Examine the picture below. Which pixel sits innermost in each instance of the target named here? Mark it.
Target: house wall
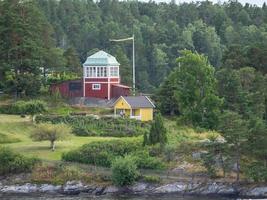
(121, 104)
(65, 90)
(102, 93)
(146, 114)
(119, 91)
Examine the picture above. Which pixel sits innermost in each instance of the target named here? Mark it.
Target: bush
(58, 174)
(151, 179)
(5, 139)
(15, 163)
(145, 161)
(102, 153)
(90, 126)
(257, 172)
(31, 107)
(124, 171)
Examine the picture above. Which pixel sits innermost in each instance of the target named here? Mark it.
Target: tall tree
(196, 90)
(23, 31)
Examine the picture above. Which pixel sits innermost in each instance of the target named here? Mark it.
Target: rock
(171, 188)
(98, 190)
(47, 188)
(73, 188)
(27, 188)
(139, 187)
(111, 189)
(255, 192)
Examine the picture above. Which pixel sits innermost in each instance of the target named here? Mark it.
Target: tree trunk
(53, 146)
(238, 166)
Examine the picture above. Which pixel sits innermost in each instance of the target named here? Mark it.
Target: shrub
(5, 139)
(158, 133)
(31, 107)
(124, 171)
(151, 179)
(145, 161)
(58, 174)
(14, 163)
(90, 126)
(257, 172)
(102, 153)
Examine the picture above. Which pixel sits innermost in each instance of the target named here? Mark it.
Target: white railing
(136, 117)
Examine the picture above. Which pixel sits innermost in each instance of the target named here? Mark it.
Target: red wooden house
(101, 79)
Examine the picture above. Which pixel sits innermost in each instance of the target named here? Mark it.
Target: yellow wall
(122, 104)
(146, 114)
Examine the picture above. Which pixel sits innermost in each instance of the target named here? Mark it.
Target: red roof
(120, 85)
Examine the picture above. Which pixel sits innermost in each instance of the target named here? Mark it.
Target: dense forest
(57, 36)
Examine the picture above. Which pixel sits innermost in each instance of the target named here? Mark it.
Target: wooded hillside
(58, 34)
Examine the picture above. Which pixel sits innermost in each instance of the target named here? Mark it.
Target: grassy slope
(20, 128)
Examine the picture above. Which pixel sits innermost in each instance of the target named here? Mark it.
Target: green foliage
(31, 107)
(158, 133)
(124, 171)
(102, 153)
(151, 179)
(14, 163)
(257, 172)
(209, 163)
(25, 36)
(51, 132)
(144, 161)
(90, 126)
(235, 131)
(58, 174)
(5, 139)
(194, 90)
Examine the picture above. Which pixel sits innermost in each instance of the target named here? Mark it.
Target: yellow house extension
(134, 107)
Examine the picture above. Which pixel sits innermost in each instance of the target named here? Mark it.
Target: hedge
(105, 126)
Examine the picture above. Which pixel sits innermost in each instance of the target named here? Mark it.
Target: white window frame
(96, 86)
(114, 71)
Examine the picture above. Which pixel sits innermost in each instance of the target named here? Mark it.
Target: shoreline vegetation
(56, 176)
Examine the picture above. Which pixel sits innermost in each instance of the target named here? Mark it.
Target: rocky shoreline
(184, 188)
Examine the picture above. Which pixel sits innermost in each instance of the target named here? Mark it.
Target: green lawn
(16, 127)
(19, 129)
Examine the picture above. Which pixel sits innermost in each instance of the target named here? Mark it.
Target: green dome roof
(101, 58)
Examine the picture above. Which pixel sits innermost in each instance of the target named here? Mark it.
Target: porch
(130, 113)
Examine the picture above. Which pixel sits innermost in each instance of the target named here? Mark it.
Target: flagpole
(133, 67)
(127, 39)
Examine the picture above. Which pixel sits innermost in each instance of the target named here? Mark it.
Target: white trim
(150, 101)
(96, 84)
(108, 89)
(100, 82)
(83, 87)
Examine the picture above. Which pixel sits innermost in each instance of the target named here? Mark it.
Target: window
(96, 72)
(75, 86)
(114, 71)
(96, 87)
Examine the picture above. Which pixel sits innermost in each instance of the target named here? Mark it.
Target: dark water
(125, 197)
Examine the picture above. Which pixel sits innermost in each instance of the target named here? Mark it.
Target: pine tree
(158, 133)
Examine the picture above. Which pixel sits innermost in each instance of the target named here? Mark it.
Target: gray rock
(171, 188)
(255, 192)
(111, 189)
(73, 187)
(139, 187)
(27, 188)
(48, 188)
(98, 190)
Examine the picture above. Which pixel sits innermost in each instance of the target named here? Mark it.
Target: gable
(121, 104)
